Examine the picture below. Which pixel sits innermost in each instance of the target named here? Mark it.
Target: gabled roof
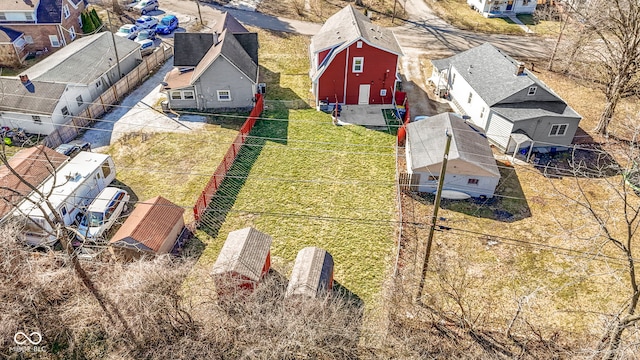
(49, 12)
(427, 139)
(534, 109)
(491, 73)
(244, 253)
(312, 272)
(232, 50)
(226, 21)
(349, 25)
(8, 35)
(149, 225)
(84, 60)
(14, 96)
(190, 48)
(35, 165)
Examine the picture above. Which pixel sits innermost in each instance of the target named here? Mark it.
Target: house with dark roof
(13, 49)
(35, 165)
(515, 108)
(245, 258)
(65, 83)
(47, 25)
(471, 167)
(216, 70)
(494, 8)
(312, 273)
(354, 62)
(152, 228)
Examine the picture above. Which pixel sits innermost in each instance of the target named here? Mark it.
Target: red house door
(363, 94)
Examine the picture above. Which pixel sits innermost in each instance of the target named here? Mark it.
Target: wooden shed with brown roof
(152, 228)
(312, 273)
(244, 259)
(35, 165)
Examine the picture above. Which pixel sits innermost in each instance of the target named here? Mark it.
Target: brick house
(46, 25)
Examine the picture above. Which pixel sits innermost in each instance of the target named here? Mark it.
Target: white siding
(499, 130)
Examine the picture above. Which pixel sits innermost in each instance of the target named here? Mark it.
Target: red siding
(379, 72)
(267, 265)
(321, 56)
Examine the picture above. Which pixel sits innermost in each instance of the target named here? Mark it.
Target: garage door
(499, 130)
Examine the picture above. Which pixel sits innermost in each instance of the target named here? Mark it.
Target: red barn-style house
(353, 62)
(244, 260)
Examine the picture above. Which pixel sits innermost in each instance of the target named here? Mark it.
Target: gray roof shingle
(427, 139)
(14, 96)
(190, 48)
(84, 60)
(244, 253)
(312, 272)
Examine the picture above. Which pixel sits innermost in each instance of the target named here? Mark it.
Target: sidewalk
(519, 23)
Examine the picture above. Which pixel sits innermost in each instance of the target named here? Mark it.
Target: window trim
(185, 92)
(72, 32)
(36, 119)
(222, 97)
(470, 97)
(65, 111)
(79, 100)
(558, 127)
(473, 181)
(66, 11)
(53, 39)
(355, 67)
(532, 90)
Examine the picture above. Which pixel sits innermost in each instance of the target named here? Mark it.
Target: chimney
(216, 39)
(520, 69)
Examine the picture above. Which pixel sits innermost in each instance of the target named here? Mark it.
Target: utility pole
(393, 17)
(115, 47)
(434, 217)
(199, 13)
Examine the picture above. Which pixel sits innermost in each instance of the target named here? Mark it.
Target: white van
(103, 213)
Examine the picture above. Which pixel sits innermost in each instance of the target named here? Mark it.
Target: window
(79, 100)
(558, 130)
(383, 92)
(473, 181)
(358, 64)
(65, 111)
(532, 90)
(106, 169)
(359, 44)
(98, 83)
(72, 33)
(482, 112)
(63, 210)
(188, 95)
(54, 41)
(80, 21)
(453, 78)
(65, 10)
(29, 16)
(525, 2)
(36, 119)
(3, 16)
(176, 95)
(433, 178)
(470, 97)
(224, 95)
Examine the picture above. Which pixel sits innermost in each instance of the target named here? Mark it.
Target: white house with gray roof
(513, 107)
(65, 83)
(471, 167)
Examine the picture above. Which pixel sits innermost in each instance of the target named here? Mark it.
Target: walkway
(524, 27)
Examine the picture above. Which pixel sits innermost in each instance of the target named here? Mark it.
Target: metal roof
(244, 253)
(427, 139)
(148, 226)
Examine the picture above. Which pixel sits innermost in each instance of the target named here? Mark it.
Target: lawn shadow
(586, 161)
(509, 204)
(350, 298)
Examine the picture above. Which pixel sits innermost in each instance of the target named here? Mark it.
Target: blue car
(167, 25)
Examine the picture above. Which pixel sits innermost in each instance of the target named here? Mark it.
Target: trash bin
(165, 106)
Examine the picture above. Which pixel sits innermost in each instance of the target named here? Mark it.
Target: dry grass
(321, 10)
(458, 13)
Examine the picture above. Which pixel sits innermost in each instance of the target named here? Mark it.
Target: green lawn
(312, 183)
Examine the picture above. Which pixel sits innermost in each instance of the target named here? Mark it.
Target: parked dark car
(72, 148)
(167, 24)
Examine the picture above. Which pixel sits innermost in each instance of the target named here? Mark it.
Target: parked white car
(128, 31)
(103, 213)
(146, 22)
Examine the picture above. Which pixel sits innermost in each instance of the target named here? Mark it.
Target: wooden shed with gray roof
(471, 167)
(353, 61)
(515, 108)
(152, 228)
(312, 273)
(244, 260)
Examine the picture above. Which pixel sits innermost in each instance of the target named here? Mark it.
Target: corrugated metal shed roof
(312, 272)
(35, 165)
(148, 226)
(427, 139)
(244, 253)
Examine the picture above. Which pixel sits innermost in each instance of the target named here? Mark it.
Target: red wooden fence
(216, 179)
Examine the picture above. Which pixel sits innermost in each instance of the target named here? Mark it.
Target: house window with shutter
(558, 130)
(358, 65)
(224, 95)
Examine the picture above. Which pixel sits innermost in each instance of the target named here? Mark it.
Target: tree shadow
(509, 204)
(586, 161)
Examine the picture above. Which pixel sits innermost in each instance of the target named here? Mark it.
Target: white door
(363, 95)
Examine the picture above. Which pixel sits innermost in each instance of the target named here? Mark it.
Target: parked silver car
(145, 6)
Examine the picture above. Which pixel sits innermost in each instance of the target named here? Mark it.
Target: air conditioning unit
(262, 88)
